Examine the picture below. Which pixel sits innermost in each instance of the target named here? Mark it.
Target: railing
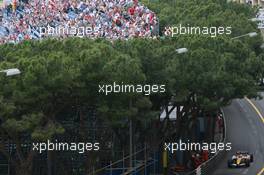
(142, 160)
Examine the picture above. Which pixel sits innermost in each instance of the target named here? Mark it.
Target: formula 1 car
(240, 159)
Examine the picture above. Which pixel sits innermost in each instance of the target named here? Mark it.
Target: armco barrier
(209, 166)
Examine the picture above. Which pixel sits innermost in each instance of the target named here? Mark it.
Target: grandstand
(112, 20)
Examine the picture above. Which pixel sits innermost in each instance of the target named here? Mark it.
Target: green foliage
(216, 70)
(62, 74)
(204, 13)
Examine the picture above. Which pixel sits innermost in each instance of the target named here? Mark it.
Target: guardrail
(208, 167)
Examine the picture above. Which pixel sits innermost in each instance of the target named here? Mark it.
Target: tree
(64, 75)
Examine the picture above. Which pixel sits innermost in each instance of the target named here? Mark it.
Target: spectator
(111, 19)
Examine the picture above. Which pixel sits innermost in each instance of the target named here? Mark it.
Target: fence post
(145, 159)
(123, 171)
(111, 171)
(154, 162)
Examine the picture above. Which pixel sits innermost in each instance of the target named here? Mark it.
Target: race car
(240, 159)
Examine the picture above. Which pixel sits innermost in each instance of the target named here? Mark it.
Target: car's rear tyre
(229, 163)
(247, 163)
(251, 158)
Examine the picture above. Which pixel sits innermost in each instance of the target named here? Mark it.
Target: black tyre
(229, 163)
(247, 163)
(251, 158)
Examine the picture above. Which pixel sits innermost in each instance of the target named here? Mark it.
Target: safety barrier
(208, 167)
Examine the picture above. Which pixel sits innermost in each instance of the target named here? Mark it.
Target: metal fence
(144, 162)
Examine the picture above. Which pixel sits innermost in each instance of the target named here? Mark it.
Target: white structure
(172, 115)
(11, 72)
(260, 19)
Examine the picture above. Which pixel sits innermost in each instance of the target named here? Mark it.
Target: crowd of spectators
(111, 19)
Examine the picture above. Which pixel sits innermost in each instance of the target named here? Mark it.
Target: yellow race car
(240, 159)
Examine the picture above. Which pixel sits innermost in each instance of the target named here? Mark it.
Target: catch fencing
(209, 166)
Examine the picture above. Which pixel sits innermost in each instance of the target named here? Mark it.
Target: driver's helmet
(239, 153)
(239, 156)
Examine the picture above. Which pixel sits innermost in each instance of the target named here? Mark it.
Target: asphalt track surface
(245, 130)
